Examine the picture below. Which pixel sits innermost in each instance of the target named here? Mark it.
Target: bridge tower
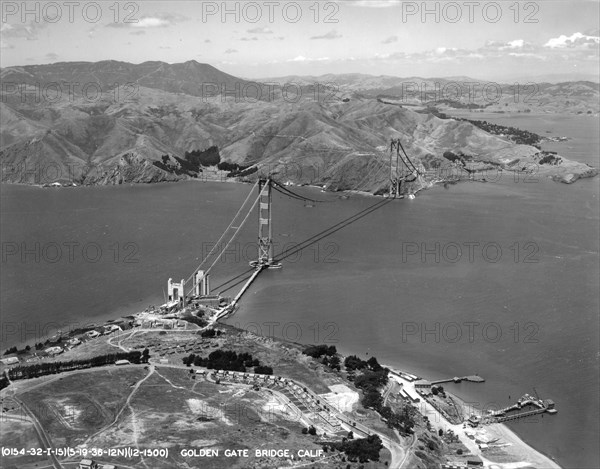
(201, 284)
(176, 291)
(394, 169)
(265, 226)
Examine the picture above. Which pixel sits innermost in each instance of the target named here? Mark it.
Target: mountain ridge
(340, 141)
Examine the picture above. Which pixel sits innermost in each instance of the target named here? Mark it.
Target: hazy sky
(491, 40)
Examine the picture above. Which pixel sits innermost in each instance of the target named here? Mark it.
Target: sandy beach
(514, 452)
(528, 455)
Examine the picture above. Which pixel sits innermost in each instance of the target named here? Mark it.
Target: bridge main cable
(238, 228)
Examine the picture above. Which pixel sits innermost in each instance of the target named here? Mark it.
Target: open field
(170, 408)
(73, 406)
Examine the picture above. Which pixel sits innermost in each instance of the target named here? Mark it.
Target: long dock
(503, 415)
(519, 415)
(456, 379)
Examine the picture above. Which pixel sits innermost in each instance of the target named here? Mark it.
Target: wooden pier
(471, 378)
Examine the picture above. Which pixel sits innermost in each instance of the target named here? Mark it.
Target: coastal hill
(150, 119)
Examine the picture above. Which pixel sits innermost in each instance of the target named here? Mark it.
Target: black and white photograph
(347, 234)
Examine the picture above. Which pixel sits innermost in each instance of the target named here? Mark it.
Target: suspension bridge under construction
(197, 289)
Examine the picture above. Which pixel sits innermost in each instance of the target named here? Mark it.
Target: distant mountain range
(113, 122)
(575, 97)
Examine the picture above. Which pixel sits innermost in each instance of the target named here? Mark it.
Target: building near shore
(54, 350)
(10, 361)
(422, 384)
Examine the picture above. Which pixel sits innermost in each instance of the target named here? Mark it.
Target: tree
(334, 363)
(305, 431)
(440, 432)
(317, 351)
(145, 355)
(350, 435)
(372, 399)
(312, 430)
(362, 449)
(352, 362)
(373, 364)
(263, 370)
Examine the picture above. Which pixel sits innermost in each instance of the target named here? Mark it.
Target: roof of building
(422, 382)
(10, 360)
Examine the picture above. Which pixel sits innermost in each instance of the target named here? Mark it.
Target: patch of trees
(237, 170)
(550, 158)
(310, 430)
(4, 382)
(192, 162)
(145, 356)
(370, 382)
(521, 137)
(209, 333)
(42, 369)
(317, 351)
(208, 157)
(178, 166)
(362, 449)
(332, 362)
(372, 378)
(402, 421)
(352, 363)
(433, 111)
(24, 350)
(263, 370)
(459, 157)
(327, 355)
(223, 360)
(372, 399)
(458, 105)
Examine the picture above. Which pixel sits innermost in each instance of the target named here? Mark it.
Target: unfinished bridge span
(197, 286)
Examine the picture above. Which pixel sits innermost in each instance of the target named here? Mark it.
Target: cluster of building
(153, 320)
(308, 403)
(61, 343)
(462, 465)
